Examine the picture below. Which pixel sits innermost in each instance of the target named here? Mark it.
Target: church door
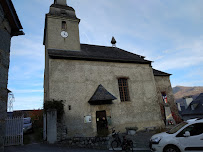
(102, 125)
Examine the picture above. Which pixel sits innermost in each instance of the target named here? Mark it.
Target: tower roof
(60, 2)
(60, 8)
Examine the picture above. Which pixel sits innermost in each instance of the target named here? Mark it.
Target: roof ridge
(97, 45)
(154, 70)
(140, 56)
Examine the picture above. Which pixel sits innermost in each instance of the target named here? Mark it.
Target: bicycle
(126, 144)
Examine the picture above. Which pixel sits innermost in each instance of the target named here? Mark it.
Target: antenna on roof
(11, 99)
(113, 42)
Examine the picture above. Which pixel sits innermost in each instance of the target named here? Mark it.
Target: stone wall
(88, 142)
(163, 84)
(61, 131)
(76, 81)
(5, 39)
(54, 33)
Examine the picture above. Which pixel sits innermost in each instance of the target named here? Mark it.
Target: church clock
(64, 34)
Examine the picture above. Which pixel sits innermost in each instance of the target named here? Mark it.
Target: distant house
(182, 106)
(35, 114)
(195, 109)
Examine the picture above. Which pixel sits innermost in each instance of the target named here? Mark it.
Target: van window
(194, 129)
(176, 128)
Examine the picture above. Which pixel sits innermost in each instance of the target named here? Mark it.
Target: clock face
(64, 34)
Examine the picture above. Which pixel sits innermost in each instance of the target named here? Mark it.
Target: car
(186, 136)
(27, 125)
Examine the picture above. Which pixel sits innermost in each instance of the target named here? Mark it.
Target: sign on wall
(87, 119)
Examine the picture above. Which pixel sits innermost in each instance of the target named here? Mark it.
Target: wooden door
(102, 124)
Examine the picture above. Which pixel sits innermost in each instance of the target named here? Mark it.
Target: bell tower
(61, 27)
(61, 33)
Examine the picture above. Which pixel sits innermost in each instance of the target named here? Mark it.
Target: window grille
(123, 89)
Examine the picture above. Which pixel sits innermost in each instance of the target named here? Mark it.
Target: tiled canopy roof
(99, 53)
(101, 96)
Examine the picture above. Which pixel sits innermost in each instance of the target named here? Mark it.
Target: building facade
(102, 87)
(9, 26)
(166, 99)
(194, 108)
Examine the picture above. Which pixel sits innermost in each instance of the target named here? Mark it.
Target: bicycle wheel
(131, 145)
(128, 146)
(114, 145)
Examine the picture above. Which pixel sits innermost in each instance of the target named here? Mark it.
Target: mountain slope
(181, 91)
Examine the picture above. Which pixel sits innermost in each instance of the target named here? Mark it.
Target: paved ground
(140, 140)
(53, 148)
(46, 148)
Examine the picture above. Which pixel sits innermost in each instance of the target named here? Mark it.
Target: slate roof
(62, 7)
(12, 17)
(69, 15)
(198, 110)
(98, 53)
(199, 99)
(160, 73)
(101, 95)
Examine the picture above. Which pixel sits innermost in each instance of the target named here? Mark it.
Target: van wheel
(171, 148)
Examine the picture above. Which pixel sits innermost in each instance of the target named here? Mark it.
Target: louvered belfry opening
(123, 89)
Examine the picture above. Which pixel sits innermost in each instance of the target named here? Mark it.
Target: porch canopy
(101, 96)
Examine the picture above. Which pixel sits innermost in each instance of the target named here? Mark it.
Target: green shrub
(58, 105)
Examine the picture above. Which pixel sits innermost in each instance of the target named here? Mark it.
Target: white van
(185, 137)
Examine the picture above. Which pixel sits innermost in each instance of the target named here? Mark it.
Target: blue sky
(166, 32)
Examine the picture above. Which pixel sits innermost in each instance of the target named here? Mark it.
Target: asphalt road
(53, 148)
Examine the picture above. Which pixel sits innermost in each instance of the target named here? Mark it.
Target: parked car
(27, 126)
(186, 136)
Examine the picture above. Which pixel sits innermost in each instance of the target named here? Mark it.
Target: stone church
(101, 86)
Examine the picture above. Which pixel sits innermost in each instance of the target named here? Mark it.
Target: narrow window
(164, 97)
(69, 107)
(123, 89)
(63, 25)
